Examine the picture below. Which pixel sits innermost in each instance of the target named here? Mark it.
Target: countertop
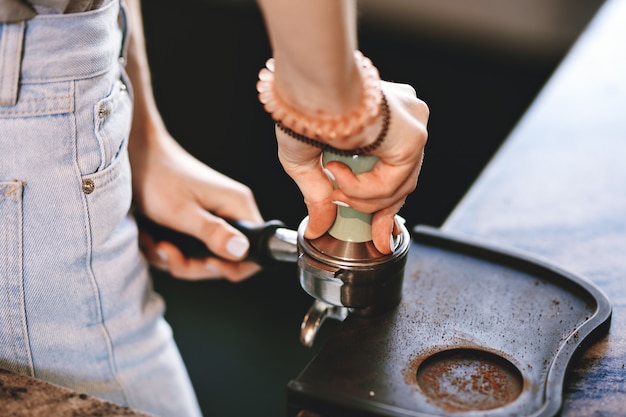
(557, 189)
(21, 396)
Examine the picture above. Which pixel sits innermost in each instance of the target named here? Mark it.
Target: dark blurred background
(478, 65)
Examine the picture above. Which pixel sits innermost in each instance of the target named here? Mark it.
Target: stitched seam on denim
(112, 362)
(10, 60)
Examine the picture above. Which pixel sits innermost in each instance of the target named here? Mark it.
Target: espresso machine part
(342, 270)
(270, 242)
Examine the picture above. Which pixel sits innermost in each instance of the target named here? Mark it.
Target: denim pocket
(109, 194)
(113, 117)
(14, 346)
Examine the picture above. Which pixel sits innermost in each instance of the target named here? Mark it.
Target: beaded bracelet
(324, 127)
(386, 115)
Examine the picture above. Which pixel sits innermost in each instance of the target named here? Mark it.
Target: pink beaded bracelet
(324, 127)
(365, 150)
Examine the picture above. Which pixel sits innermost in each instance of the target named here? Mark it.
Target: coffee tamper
(343, 270)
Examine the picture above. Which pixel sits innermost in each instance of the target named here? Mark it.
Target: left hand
(178, 191)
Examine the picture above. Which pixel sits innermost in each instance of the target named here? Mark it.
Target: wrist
(382, 124)
(333, 88)
(321, 122)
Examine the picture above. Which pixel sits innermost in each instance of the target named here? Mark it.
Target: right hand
(381, 191)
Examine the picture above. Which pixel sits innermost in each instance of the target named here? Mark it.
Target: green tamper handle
(352, 225)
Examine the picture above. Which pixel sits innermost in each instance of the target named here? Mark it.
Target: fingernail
(162, 255)
(341, 203)
(394, 241)
(237, 246)
(400, 219)
(329, 174)
(212, 269)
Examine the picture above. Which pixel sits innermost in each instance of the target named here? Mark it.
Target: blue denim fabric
(77, 306)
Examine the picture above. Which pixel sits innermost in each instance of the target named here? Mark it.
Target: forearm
(146, 117)
(313, 44)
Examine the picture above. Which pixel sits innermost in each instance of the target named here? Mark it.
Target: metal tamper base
(354, 275)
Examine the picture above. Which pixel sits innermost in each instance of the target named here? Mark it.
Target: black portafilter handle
(259, 236)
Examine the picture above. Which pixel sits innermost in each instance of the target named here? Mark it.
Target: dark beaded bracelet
(386, 114)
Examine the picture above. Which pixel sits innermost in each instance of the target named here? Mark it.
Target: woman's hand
(381, 191)
(176, 190)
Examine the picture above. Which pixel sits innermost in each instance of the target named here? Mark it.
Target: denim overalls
(76, 303)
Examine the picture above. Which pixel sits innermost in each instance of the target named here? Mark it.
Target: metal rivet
(88, 186)
(103, 111)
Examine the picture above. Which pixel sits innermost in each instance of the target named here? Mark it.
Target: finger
(385, 228)
(173, 260)
(221, 238)
(149, 249)
(234, 271)
(321, 218)
(373, 191)
(383, 179)
(317, 188)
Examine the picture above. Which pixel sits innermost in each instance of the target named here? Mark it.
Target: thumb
(321, 217)
(227, 242)
(222, 239)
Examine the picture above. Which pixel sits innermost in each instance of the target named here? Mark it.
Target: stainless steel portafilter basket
(343, 270)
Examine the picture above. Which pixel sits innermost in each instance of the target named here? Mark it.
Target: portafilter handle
(343, 269)
(270, 242)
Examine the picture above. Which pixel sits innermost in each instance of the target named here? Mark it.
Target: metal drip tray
(480, 331)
